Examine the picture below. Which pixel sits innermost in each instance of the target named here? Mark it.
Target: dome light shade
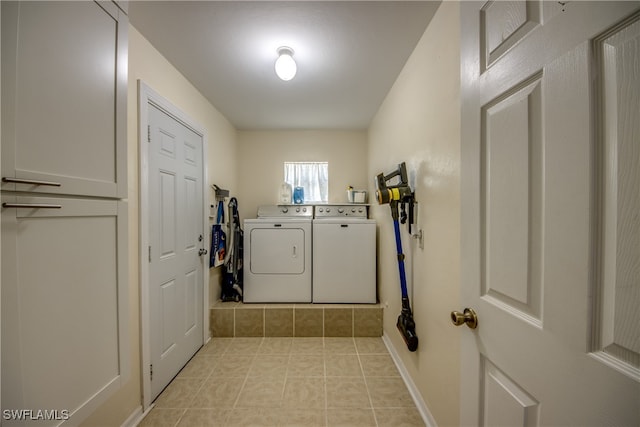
(285, 65)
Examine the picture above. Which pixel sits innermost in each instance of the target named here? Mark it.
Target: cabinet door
(64, 70)
(64, 316)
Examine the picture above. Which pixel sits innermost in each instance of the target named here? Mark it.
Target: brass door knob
(468, 316)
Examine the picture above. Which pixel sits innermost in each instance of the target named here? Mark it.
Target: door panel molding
(616, 244)
(512, 169)
(504, 402)
(503, 25)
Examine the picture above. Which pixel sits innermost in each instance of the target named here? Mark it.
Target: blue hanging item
(218, 239)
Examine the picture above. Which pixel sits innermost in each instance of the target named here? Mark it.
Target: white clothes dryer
(277, 255)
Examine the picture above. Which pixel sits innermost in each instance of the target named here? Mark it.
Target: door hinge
(151, 371)
(148, 133)
(149, 253)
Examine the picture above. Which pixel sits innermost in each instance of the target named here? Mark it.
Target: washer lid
(343, 220)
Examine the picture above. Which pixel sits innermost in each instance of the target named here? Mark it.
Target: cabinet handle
(31, 205)
(30, 181)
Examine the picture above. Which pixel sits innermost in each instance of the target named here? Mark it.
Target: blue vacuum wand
(395, 195)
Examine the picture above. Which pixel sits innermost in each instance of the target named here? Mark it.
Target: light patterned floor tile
(244, 346)
(307, 346)
(179, 393)
(344, 392)
(162, 417)
(272, 366)
(388, 392)
(204, 418)
(306, 365)
(275, 346)
(261, 393)
(216, 346)
(378, 365)
(256, 417)
(294, 417)
(200, 366)
(304, 393)
(218, 393)
(342, 365)
(232, 365)
(398, 417)
(339, 345)
(366, 345)
(350, 417)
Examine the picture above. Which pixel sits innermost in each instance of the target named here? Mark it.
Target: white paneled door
(551, 234)
(176, 245)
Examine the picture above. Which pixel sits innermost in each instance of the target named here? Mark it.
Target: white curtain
(312, 176)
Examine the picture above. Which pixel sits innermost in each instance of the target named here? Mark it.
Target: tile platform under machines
(235, 319)
(272, 319)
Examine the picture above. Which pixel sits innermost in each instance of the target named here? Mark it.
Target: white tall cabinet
(64, 333)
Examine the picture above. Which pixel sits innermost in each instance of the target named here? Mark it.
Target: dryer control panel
(285, 211)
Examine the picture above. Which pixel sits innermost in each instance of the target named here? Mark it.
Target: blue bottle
(298, 195)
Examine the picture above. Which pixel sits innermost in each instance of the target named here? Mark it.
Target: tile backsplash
(232, 319)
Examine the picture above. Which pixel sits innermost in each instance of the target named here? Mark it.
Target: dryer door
(277, 251)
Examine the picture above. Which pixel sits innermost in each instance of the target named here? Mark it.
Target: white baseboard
(134, 419)
(411, 386)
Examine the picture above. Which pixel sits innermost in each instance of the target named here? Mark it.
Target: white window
(312, 176)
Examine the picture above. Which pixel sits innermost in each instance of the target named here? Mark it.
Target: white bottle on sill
(284, 196)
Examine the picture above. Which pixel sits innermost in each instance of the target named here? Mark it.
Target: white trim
(135, 418)
(617, 364)
(147, 95)
(411, 386)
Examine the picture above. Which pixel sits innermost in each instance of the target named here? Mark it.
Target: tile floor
(302, 382)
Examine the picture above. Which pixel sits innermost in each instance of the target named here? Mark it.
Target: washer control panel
(327, 211)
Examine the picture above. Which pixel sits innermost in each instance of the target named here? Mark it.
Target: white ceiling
(349, 54)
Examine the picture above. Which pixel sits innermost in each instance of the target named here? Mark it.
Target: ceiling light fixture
(285, 65)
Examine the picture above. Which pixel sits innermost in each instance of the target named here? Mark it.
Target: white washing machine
(344, 255)
(277, 255)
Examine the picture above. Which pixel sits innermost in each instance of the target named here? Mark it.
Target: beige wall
(146, 64)
(262, 154)
(419, 123)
